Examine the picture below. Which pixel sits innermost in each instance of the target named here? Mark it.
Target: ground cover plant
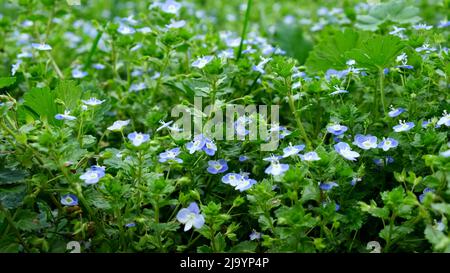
(92, 158)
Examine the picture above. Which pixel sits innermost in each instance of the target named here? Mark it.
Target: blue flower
(422, 26)
(338, 90)
(292, 150)
(118, 125)
(93, 175)
(191, 216)
(255, 235)
(276, 168)
(355, 180)
(243, 158)
(422, 196)
(365, 142)
(217, 166)
(344, 150)
(444, 120)
(77, 73)
(130, 225)
(388, 143)
(210, 147)
(335, 73)
(164, 125)
(41, 46)
(93, 101)
(65, 116)
(170, 6)
(445, 153)
(310, 156)
(170, 155)
(380, 162)
(326, 186)
(443, 23)
(403, 126)
(98, 66)
(138, 138)
(176, 24)
(238, 181)
(196, 144)
(395, 112)
(202, 61)
(125, 29)
(425, 123)
(337, 207)
(137, 87)
(337, 129)
(69, 200)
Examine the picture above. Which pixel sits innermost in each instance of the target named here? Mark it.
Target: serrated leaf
(12, 197)
(244, 247)
(7, 81)
(69, 93)
(39, 103)
(27, 220)
(11, 176)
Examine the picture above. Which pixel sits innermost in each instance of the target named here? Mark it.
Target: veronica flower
(276, 168)
(176, 24)
(226, 54)
(118, 125)
(41, 46)
(93, 175)
(426, 47)
(65, 116)
(232, 41)
(202, 61)
(337, 129)
(15, 67)
(380, 162)
(273, 158)
(397, 31)
(255, 235)
(445, 153)
(395, 111)
(217, 166)
(403, 126)
(292, 150)
(443, 23)
(125, 29)
(164, 125)
(138, 138)
(77, 73)
(424, 192)
(245, 184)
(422, 26)
(355, 180)
(170, 155)
(243, 158)
(210, 147)
(197, 144)
(344, 150)
(365, 142)
(335, 74)
(69, 200)
(248, 50)
(338, 91)
(310, 156)
(137, 86)
(191, 216)
(93, 101)
(144, 30)
(425, 123)
(98, 66)
(232, 179)
(170, 6)
(326, 186)
(444, 120)
(388, 143)
(130, 225)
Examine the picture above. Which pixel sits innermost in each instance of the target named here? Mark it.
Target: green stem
(244, 29)
(298, 119)
(381, 78)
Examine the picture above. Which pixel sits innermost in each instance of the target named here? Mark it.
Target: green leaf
(330, 51)
(39, 103)
(244, 247)
(396, 11)
(6, 81)
(11, 176)
(27, 220)
(69, 93)
(12, 197)
(293, 41)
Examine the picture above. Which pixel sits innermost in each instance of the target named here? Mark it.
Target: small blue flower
(245, 184)
(338, 90)
(422, 196)
(403, 126)
(422, 27)
(395, 112)
(202, 61)
(310, 156)
(344, 150)
(170, 155)
(355, 180)
(65, 116)
(381, 162)
(196, 144)
(77, 73)
(164, 125)
(170, 6)
(243, 158)
(276, 168)
(210, 147)
(41, 46)
(191, 216)
(98, 66)
(443, 23)
(326, 186)
(125, 29)
(93, 101)
(69, 200)
(292, 150)
(93, 175)
(118, 125)
(130, 225)
(337, 129)
(255, 235)
(217, 166)
(444, 120)
(388, 143)
(137, 87)
(335, 73)
(425, 123)
(176, 24)
(232, 179)
(445, 153)
(365, 142)
(138, 138)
